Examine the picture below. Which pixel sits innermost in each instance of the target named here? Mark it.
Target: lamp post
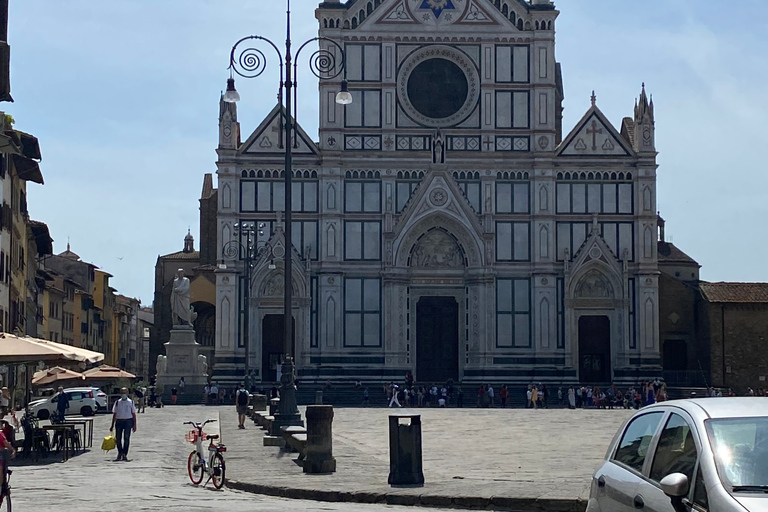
(325, 63)
(250, 252)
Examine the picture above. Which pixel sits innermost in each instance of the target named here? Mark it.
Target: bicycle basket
(191, 436)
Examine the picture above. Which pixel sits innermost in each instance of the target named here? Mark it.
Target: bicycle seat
(213, 436)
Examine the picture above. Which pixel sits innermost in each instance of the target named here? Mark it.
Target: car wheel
(43, 414)
(86, 411)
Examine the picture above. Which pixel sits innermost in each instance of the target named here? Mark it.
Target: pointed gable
(595, 271)
(439, 13)
(440, 197)
(268, 138)
(594, 136)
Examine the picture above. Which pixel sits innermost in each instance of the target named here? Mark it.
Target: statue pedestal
(182, 351)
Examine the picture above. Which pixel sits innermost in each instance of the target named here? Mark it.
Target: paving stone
(480, 458)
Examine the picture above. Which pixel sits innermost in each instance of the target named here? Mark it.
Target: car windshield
(740, 446)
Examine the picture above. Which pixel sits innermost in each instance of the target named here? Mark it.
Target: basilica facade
(443, 222)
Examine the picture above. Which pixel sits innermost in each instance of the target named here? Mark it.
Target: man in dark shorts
(241, 402)
(62, 403)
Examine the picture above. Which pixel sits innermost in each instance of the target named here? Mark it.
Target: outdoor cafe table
(87, 424)
(68, 432)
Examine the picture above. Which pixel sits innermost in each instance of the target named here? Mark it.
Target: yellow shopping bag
(109, 443)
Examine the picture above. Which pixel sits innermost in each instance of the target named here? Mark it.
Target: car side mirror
(676, 485)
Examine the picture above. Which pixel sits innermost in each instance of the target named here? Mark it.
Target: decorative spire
(593, 98)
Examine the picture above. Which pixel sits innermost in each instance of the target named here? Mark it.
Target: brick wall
(738, 335)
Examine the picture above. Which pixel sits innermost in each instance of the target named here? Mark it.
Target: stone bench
(260, 418)
(295, 439)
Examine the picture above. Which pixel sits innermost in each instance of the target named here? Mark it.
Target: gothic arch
(596, 269)
(437, 248)
(271, 285)
(471, 247)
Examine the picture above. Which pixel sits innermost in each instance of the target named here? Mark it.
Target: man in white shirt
(124, 418)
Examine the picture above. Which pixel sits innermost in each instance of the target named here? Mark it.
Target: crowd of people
(537, 395)
(410, 395)
(612, 397)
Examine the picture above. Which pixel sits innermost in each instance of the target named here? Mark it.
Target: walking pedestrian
(62, 403)
(174, 396)
(490, 394)
(182, 385)
(459, 397)
(124, 419)
(394, 399)
(139, 399)
(366, 397)
(241, 399)
(571, 398)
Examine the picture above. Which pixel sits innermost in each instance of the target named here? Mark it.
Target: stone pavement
(519, 459)
(154, 479)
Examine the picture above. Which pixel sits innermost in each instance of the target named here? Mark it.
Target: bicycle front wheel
(195, 467)
(219, 468)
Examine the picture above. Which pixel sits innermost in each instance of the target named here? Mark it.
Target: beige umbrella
(55, 374)
(105, 372)
(73, 353)
(15, 349)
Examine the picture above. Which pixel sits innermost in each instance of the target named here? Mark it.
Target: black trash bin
(405, 465)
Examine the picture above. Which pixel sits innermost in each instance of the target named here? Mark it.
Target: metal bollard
(405, 464)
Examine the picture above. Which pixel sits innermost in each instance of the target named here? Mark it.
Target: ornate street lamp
(250, 62)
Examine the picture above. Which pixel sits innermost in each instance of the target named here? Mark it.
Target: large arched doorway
(437, 339)
(205, 330)
(595, 349)
(597, 322)
(437, 264)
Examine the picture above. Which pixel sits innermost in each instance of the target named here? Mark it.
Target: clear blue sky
(124, 98)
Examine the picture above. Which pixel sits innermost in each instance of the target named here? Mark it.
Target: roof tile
(735, 292)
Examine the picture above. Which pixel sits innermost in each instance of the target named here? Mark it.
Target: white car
(99, 395)
(707, 454)
(80, 403)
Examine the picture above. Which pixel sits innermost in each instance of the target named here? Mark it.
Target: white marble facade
(443, 225)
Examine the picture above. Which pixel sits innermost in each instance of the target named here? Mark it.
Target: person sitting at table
(5, 444)
(9, 432)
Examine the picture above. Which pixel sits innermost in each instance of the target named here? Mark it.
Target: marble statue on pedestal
(182, 314)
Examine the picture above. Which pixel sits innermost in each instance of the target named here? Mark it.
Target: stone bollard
(259, 402)
(405, 465)
(318, 454)
(318, 398)
(273, 406)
